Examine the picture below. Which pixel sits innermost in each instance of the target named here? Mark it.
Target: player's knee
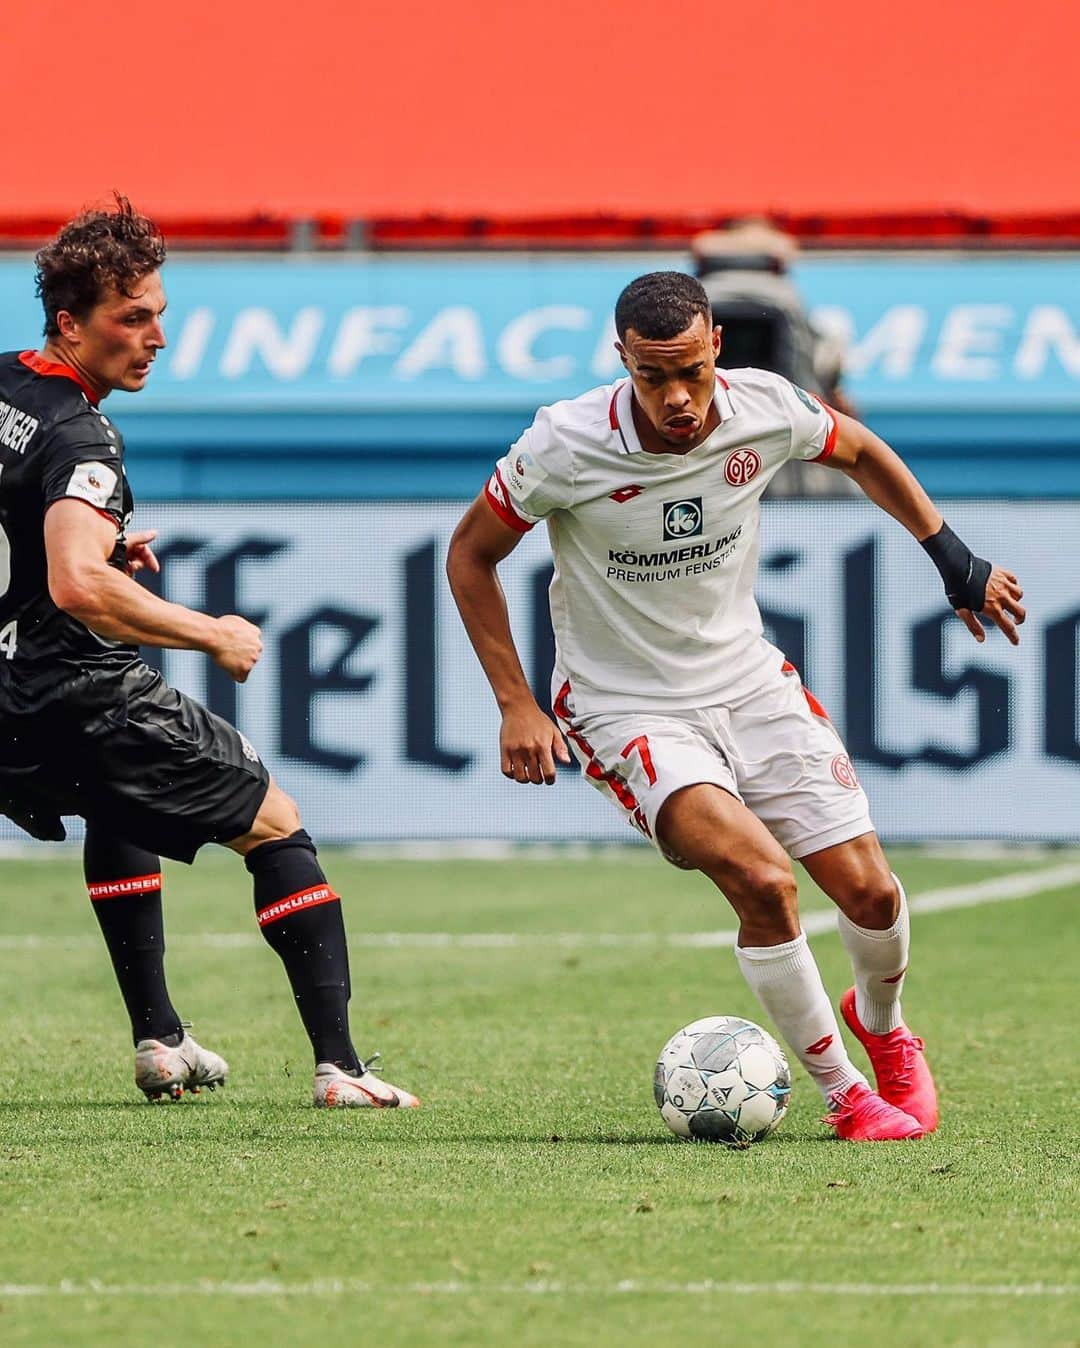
(269, 851)
(872, 900)
(282, 814)
(278, 818)
(769, 892)
(769, 909)
(764, 894)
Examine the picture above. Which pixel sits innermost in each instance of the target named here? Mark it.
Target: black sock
(124, 883)
(300, 916)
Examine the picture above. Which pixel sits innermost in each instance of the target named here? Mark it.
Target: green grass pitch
(537, 1199)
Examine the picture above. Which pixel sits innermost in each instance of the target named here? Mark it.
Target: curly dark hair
(96, 252)
(660, 305)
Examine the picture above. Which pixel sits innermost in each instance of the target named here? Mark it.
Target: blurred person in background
(745, 270)
(681, 714)
(87, 728)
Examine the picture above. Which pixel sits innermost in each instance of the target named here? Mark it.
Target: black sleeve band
(964, 574)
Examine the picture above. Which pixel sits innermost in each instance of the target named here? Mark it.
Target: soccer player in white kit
(680, 712)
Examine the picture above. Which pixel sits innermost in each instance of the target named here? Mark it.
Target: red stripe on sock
(119, 889)
(294, 903)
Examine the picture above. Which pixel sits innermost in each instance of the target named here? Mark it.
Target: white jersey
(652, 601)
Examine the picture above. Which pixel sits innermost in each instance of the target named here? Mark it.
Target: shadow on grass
(418, 1131)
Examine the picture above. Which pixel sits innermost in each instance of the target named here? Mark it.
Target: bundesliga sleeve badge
(93, 482)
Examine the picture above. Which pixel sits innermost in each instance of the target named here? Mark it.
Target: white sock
(879, 959)
(786, 981)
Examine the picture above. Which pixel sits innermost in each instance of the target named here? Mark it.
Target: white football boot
(337, 1089)
(161, 1069)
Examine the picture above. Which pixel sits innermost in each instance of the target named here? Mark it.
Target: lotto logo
(818, 1047)
(496, 488)
(741, 465)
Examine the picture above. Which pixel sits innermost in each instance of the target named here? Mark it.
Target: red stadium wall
(504, 110)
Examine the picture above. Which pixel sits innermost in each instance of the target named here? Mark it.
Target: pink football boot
(858, 1115)
(900, 1070)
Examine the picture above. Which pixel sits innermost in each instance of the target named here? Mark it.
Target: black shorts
(130, 753)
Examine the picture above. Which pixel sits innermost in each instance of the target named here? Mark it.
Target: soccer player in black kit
(86, 727)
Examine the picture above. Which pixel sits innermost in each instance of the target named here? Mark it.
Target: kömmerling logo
(682, 519)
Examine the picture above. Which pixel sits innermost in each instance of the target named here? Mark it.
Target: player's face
(116, 343)
(675, 380)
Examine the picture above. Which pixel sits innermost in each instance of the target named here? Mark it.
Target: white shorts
(776, 751)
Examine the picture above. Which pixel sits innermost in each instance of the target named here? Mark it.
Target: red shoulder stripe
(40, 365)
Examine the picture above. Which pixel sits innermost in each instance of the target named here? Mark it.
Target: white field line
(998, 889)
(340, 1287)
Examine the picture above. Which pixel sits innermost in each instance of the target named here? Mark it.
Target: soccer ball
(722, 1079)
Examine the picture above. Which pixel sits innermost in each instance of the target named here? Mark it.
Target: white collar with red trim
(621, 415)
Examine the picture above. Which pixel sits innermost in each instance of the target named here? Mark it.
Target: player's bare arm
(79, 543)
(890, 484)
(529, 741)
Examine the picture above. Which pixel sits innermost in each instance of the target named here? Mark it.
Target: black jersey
(85, 727)
(54, 443)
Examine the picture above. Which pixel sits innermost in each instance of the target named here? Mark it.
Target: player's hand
(238, 646)
(1002, 606)
(139, 552)
(530, 743)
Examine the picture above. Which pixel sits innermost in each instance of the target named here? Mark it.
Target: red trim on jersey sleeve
(724, 382)
(830, 441)
(40, 365)
(105, 514)
(503, 508)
